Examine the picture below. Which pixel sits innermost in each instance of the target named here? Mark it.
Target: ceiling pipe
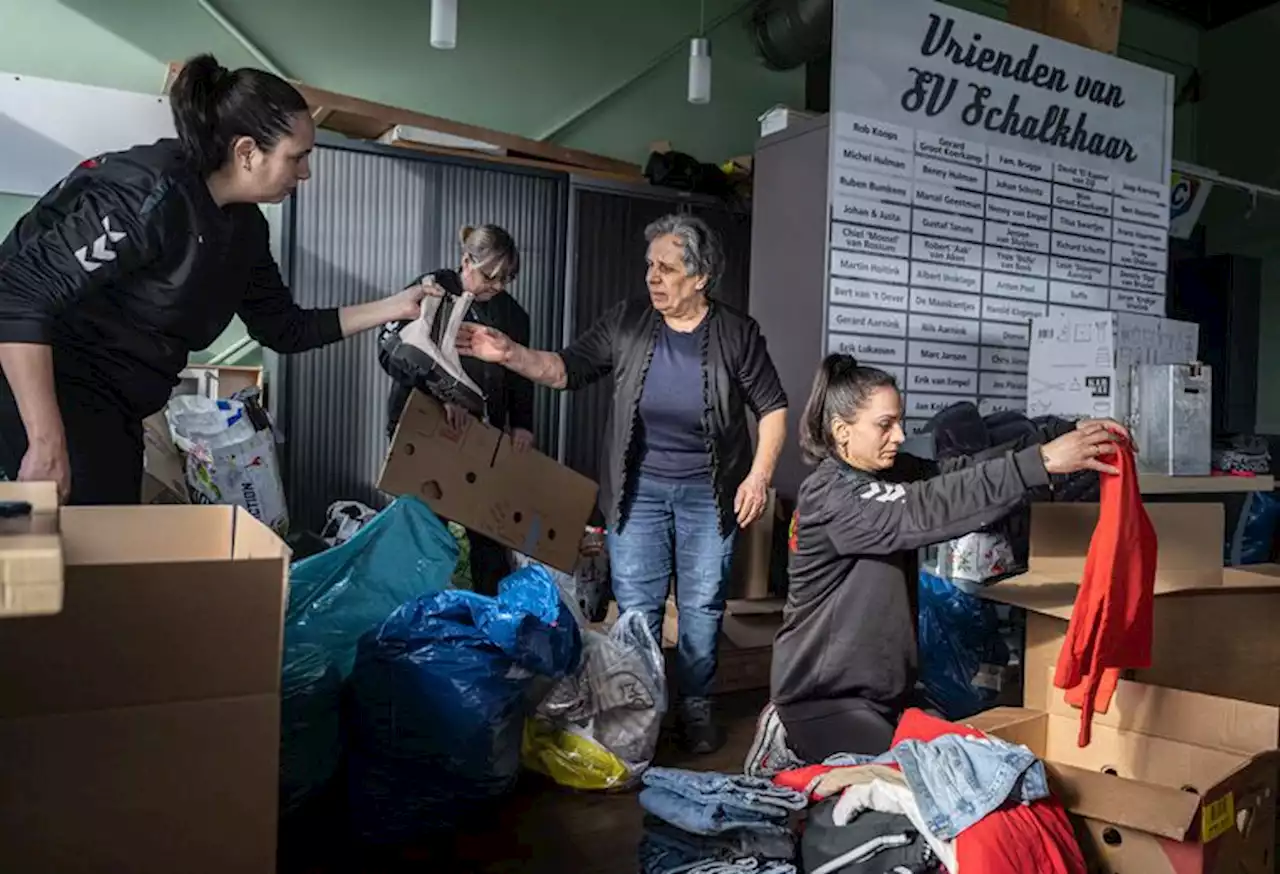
(791, 33)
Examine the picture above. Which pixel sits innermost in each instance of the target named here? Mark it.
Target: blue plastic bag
(438, 697)
(963, 656)
(404, 552)
(1250, 541)
(310, 717)
(335, 597)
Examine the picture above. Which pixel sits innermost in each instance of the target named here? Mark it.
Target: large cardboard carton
(753, 555)
(472, 476)
(141, 725)
(1215, 627)
(1172, 782)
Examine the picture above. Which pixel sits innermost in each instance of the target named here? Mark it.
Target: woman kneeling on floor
(845, 661)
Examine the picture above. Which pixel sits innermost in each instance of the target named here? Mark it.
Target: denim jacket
(957, 781)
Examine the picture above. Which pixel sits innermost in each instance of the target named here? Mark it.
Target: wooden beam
(1094, 24)
(381, 117)
(513, 161)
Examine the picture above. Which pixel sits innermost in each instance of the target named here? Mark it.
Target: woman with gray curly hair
(678, 475)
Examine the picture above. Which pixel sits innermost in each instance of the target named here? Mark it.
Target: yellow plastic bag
(570, 759)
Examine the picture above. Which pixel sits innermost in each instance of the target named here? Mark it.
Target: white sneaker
(769, 754)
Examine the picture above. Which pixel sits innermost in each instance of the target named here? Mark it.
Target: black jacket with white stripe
(128, 265)
(849, 625)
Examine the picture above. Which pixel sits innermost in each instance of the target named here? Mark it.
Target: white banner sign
(989, 173)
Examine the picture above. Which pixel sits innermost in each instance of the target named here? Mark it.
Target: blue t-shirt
(673, 438)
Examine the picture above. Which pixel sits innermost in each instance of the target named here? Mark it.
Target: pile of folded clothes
(945, 799)
(717, 824)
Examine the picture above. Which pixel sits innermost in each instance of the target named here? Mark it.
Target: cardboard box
(780, 117)
(31, 562)
(525, 501)
(164, 476)
(219, 381)
(1172, 782)
(141, 725)
(1079, 362)
(1215, 627)
(753, 555)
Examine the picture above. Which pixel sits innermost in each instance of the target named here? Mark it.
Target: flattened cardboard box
(141, 725)
(1172, 783)
(472, 476)
(1215, 628)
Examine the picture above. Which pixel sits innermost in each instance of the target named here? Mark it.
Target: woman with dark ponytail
(844, 662)
(138, 258)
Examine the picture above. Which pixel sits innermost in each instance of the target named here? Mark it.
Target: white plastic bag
(618, 696)
(228, 460)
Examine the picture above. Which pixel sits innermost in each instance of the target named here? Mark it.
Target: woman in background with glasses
(490, 260)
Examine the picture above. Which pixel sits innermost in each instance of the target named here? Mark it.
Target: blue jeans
(665, 848)
(705, 803)
(675, 527)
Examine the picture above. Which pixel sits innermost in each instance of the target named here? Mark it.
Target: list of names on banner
(947, 239)
(943, 250)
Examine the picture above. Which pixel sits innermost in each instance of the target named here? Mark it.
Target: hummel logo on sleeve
(101, 252)
(885, 493)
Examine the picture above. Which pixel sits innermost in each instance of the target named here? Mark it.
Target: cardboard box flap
(1185, 717)
(1158, 810)
(1016, 725)
(1036, 593)
(1190, 543)
(1260, 577)
(1054, 594)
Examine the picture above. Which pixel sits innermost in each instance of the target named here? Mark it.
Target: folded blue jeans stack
(716, 824)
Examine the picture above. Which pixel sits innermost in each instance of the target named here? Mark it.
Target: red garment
(1034, 838)
(1111, 623)
(802, 779)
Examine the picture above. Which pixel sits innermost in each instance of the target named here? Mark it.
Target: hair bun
(465, 232)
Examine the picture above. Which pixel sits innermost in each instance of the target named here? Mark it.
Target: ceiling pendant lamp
(700, 61)
(699, 70)
(444, 24)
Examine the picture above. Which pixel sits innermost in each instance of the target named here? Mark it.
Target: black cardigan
(737, 374)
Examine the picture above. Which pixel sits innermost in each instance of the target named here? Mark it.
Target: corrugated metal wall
(608, 260)
(364, 225)
(532, 209)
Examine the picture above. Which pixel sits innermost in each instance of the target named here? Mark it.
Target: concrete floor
(540, 828)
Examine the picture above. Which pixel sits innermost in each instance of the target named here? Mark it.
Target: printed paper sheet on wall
(983, 175)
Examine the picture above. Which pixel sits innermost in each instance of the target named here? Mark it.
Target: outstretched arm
(881, 516)
(578, 365)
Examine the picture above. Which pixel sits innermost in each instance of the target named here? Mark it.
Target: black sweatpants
(817, 730)
(104, 446)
